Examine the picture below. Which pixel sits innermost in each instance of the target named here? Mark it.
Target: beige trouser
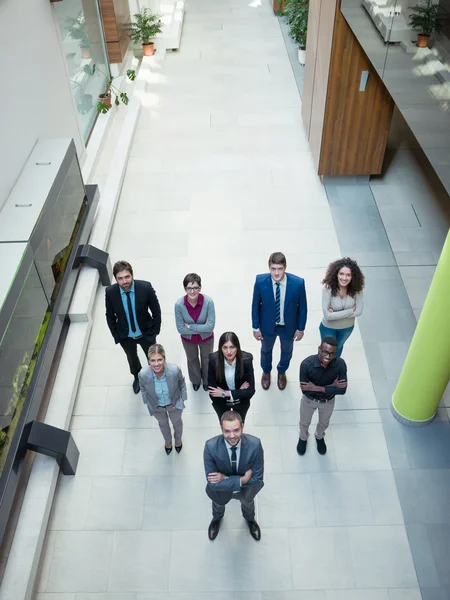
(307, 409)
(198, 367)
(162, 415)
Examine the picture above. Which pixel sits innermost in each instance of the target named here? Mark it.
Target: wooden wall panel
(310, 63)
(356, 124)
(324, 48)
(115, 13)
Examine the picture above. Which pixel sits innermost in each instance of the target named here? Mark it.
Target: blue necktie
(277, 304)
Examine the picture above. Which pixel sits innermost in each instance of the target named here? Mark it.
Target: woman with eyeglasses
(342, 300)
(164, 392)
(195, 319)
(231, 378)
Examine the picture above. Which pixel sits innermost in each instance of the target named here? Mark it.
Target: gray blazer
(175, 382)
(216, 459)
(206, 321)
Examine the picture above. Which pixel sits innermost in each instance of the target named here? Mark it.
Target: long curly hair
(331, 278)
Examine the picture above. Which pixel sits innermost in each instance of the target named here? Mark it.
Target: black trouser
(241, 408)
(130, 348)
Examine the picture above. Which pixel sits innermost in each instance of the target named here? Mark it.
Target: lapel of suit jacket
(223, 449)
(170, 376)
(119, 303)
(137, 296)
(268, 285)
(288, 295)
(243, 454)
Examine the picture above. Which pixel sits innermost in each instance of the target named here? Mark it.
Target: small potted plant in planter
(296, 13)
(104, 99)
(144, 28)
(78, 31)
(425, 17)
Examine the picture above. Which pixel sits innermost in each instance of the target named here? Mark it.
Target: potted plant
(104, 99)
(78, 31)
(145, 27)
(278, 6)
(296, 14)
(425, 17)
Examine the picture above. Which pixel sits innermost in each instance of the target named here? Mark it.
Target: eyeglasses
(330, 354)
(193, 289)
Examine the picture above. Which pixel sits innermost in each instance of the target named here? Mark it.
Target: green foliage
(425, 17)
(146, 25)
(296, 14)
(77, 29)
(110, 88)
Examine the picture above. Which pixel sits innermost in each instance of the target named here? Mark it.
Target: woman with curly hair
(342, 300)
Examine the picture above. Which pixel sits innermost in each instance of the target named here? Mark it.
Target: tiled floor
(406, 203)
(220, 175)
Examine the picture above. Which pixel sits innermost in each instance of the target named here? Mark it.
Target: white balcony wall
(35, 98)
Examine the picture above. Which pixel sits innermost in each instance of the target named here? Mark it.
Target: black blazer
(242, 395)
(145, 299)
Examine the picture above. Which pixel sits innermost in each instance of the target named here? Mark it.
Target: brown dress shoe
(265, 381)
(281, 381)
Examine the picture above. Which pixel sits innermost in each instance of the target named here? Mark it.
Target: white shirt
(238, 452)
(282, 283)
(230, 371)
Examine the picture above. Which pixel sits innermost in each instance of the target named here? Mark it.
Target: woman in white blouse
(231, 379)
(342, 300)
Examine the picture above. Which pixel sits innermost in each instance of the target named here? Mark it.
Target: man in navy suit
(278, 310)
(234, 468)
(133, 315)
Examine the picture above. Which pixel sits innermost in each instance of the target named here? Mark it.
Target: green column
(426, 371)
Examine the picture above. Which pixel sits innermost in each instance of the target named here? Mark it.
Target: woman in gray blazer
(164, 392)
(195, 319)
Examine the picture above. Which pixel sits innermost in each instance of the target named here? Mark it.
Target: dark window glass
(19, 348)
(59, 226)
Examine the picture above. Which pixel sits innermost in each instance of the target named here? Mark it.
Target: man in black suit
(133, 315)
(234, 468)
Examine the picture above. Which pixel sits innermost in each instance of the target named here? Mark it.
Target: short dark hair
(230, 415)
(122, 265)
(192, 278)
(330, 340)
(277, 258)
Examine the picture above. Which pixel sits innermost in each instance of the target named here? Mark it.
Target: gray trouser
(162, 415)
(307, 409)
(246, 497)
(198, 367)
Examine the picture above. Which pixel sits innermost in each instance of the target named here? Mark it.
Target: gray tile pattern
(394, 297)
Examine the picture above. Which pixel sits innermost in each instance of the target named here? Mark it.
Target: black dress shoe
(179, 448)
(321, 446)
(168, 450)
(205, 387)
(196, 386)
(301, 447)
(255, 531)
(213, 529)
(136, 386)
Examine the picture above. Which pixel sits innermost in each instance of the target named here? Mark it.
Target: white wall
(35, 96)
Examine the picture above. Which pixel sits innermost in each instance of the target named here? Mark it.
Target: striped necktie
(233, 460)
(277, 303)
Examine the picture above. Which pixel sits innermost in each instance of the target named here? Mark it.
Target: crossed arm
(233, 483)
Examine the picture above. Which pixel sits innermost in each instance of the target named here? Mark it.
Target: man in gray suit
(234, 468)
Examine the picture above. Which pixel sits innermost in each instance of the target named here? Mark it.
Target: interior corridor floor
(220, 175)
